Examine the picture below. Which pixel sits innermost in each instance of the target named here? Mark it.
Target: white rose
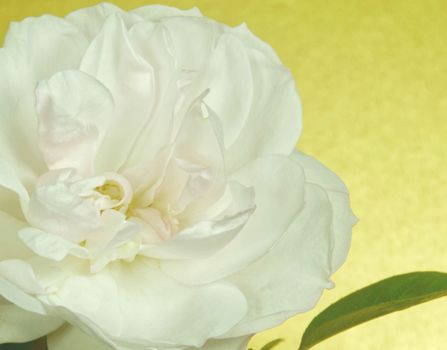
(150, 194)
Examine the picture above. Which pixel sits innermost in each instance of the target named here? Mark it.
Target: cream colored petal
(157, 12)
(69, 337)
(134, 304)
(11, 247)
(19, 284)
(74, 111)
(191, 55)
(50, 246)
(9, 180)
(298, 268)
(230, 81)
(90, 20)
(18, 325)
(274, 122)
(343, 217)
(295, 271)
(239, 343)
(34, 49)
(18, 141)
(55, 37)
(113, 61)
(278, 185)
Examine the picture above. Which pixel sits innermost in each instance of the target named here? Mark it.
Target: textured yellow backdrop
(373, 80)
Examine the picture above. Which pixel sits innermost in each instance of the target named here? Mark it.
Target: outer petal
(11, 247)
(65, 337)
(68, 337)
(18, 325)
(10, 181)
(19, 284)
(136, 304)
(191, 55)
(343, 218)
(231, 87)
(299, 266)
(274, 122)
(55, 37)
(22, 66)
(253, 42)
(294, 272)
(239, 343)
(278, 185)
(157, 12)
(18, 142)
(90, 20)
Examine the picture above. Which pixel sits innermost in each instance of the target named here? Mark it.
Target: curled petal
(50, 246)
(278, 185)
(73, 110)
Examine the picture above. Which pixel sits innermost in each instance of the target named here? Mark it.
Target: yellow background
(373, 80)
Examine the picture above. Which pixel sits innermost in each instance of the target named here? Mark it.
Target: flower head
(151, 193)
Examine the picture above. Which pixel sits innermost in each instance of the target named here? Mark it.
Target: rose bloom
(150, 193)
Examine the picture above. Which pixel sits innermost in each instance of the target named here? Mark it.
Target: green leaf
(381, 298)
(272, 344)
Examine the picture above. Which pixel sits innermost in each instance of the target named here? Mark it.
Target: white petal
(217, 227)
(10, 181)
(135, 303)
(11, 247)
(274, 123)
(65, 337)
(18, 284)
(231, 85)
(303, 260)
(18, 141)
(199, 241)
(45, 45)
(73, 110)
(149, 40)
(295, 271)
(343, 218)
(253, 42)
(35, 49)
(57, 209)
(278, 186)
(317, 173)
(112, 60)
(157, 12)
(50, 246)
(90, 20)
(239, 343)
(18, 325)
(196, 171)
(191, 55)
(68, 336)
